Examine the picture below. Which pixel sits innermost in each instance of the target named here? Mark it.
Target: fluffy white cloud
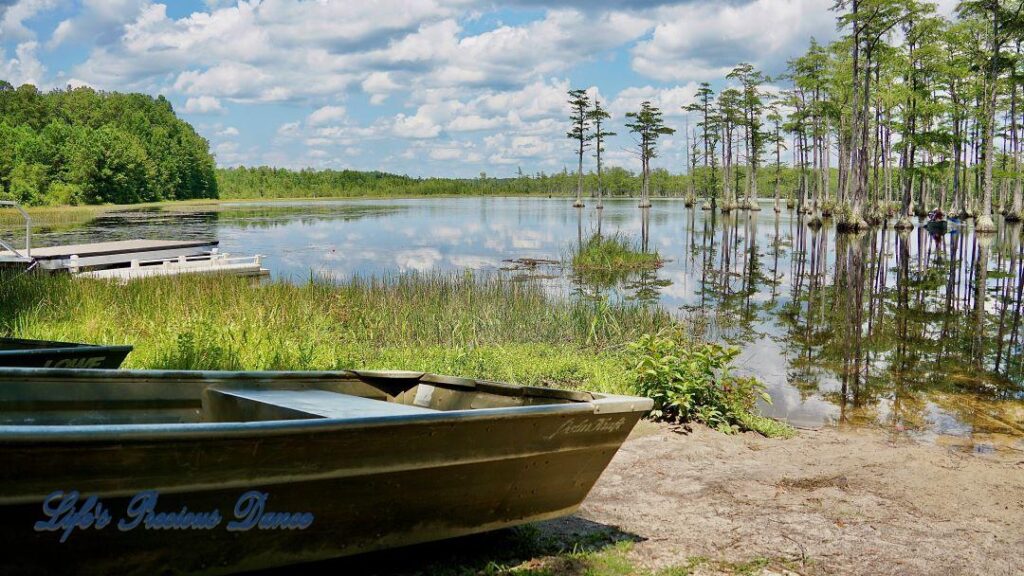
(704, 40)
(203, 105)
(103, 20)
(290, 129)
(77, 83)
(379, 85)
(514, 55)
(669, 100)
(443, 151)
(511, 150)
(278, 49)
(231, 79)
(420, 125)
(24, 67)
(284, 50)
(538, 99)
(326, 115)
(474, 122)
(445, 154)
(14, 15)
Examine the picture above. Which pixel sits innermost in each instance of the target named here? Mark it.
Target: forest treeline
(268, 182)
(82, 146)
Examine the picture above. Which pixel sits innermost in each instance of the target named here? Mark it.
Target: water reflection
(907, 328)
(918, 333)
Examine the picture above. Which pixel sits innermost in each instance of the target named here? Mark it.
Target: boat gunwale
(121, 432)
(65, 348)
(599, 404)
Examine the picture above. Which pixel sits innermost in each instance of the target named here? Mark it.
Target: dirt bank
(829, 502)
(824, 502)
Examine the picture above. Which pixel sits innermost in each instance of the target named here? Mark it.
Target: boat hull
(43, 354)
(369, 484)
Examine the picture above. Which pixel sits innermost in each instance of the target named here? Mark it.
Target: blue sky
(421, 87)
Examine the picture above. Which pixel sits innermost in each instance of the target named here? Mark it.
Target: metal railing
(206, 263)
(28, 230)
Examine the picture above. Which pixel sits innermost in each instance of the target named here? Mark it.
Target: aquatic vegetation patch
(613, 252)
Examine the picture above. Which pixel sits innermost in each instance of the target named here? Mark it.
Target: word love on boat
(66, 512)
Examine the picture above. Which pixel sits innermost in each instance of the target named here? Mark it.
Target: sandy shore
(824, 502)
(829, 502)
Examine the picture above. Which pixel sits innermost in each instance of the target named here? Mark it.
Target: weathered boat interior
(101, 397)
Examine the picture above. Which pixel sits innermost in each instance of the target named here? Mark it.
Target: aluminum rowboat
(342, 462)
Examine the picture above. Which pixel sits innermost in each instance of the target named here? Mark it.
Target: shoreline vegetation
(474, 325)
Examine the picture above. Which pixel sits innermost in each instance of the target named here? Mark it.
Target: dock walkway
(74, 257)
(223, 264)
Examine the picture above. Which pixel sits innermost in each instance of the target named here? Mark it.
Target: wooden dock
(75, 257)
(205, 264)
(126, 260)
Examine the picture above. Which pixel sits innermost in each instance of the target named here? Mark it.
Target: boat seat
(248, 405)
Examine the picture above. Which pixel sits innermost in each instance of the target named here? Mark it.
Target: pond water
(919, 334)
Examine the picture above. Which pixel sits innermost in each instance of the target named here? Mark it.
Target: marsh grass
(49, 215)
(483, 326)
(613, 252)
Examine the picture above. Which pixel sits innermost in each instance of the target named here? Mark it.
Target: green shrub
(64, 194)
(691, 381)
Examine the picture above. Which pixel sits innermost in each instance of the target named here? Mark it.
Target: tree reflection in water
(917, 332)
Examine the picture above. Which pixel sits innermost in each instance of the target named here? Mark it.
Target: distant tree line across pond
(268, 182)
(82, 146)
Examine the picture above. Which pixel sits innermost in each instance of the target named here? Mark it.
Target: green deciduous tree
(80, 145)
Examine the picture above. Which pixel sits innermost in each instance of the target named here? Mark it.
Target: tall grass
(613, 252)
(485, 326)
(475, 325)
